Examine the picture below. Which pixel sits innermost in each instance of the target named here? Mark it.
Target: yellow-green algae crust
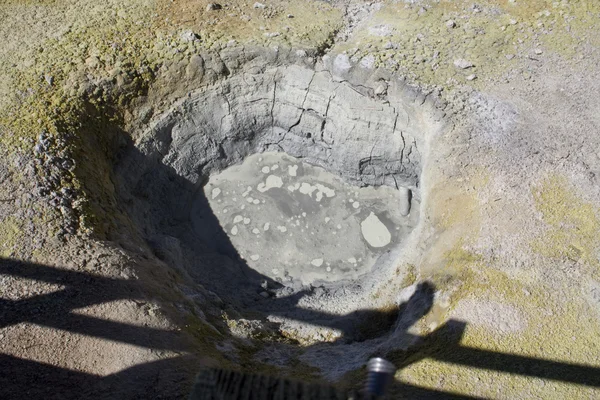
(573, 224)
(422, 40)
(555, 329)
(9, 235)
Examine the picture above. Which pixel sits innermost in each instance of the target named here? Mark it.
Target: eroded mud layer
(295, 222)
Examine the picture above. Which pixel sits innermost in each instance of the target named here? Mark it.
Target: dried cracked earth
(292, 187)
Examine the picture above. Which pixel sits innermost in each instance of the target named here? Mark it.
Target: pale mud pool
(295, 222)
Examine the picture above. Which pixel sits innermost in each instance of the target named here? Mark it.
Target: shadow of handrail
(444, 345)
(22, 378)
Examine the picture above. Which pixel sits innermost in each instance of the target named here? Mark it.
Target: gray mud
(294, 222)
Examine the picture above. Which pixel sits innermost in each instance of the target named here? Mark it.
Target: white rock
(375, 232)
(273, 181)
(189, 36)
(307, 188)
(381, 30)
(368, 61)
(463, 64)
(341, 64)
(259, 5)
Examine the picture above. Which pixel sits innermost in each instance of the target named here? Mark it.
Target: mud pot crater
(291, 190)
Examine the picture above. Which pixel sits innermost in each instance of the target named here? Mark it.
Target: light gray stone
(463, 64)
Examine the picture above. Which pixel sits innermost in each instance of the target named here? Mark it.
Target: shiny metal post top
(381, 365)
(381, 374)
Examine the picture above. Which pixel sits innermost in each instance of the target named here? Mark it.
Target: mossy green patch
(573, 224)
(554, 330)
(552, 326)
(458, 258)
(206, 339)
(9, 236)
(423, 39)
(76, 93)
(308, 24)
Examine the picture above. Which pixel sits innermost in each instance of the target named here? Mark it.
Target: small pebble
(450, 23)
(189, 36)
(213, 7)
(463, 64)
(258, 5)
(471, 77)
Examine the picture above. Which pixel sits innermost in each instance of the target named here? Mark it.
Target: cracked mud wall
(365, 138)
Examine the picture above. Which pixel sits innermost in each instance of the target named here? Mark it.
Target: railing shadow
(22, 378)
